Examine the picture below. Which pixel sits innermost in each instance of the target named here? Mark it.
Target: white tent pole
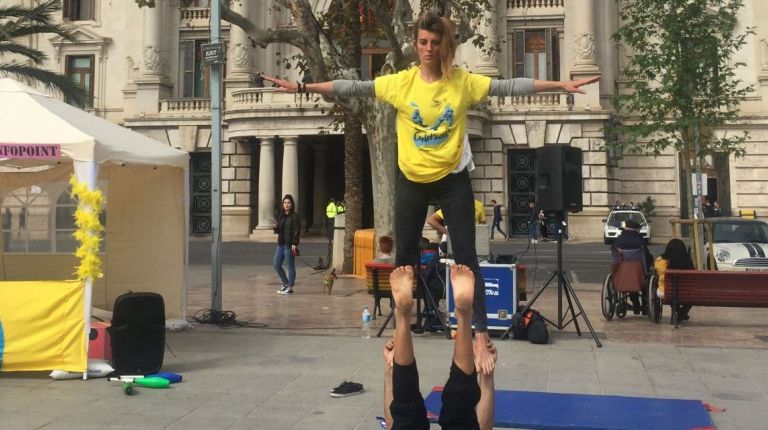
(87, 172)
(186, 247)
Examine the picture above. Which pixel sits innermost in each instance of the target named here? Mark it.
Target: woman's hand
(283, 86)
(293, 248)
(575, 86)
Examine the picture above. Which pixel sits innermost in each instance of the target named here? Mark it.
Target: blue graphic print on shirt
(431, 137)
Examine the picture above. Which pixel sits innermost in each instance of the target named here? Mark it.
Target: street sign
(213, 53)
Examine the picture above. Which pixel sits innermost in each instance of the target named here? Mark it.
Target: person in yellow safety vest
(334, 208)
(330, 212)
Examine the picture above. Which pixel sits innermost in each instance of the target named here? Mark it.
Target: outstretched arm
(524, 86)
(568, 86)
(338, 88)
(283, 86)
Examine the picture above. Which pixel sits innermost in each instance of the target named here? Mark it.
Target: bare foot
(389, 353)
(485, 354)
(463, 285)
(401, 281)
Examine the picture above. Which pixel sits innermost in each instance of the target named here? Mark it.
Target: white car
(616, 219)
(740, 244)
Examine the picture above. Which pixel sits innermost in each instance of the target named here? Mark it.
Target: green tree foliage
(27, 64)
(679, 74)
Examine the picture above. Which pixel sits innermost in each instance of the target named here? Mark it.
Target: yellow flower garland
(89, 228)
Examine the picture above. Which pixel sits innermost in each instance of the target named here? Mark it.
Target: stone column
(763, 76)
(153, 85)
(239, 75)
(320, 184)
(580, 39)
(266, 184)
(488, 60)
(291, 168)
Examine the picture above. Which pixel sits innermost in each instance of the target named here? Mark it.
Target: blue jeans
(283, 252)
(533, 229)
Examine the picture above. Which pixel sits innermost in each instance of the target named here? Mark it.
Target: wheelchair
(629, 274)
(655, 303)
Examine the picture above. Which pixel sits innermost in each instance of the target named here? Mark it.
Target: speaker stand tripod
(563, 288)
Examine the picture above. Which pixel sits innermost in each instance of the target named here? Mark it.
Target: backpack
(529, 325)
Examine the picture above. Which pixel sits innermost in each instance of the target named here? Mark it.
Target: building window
(80, 70)
(371, 62)
(79, 10)
(195, 76)
(535, 54)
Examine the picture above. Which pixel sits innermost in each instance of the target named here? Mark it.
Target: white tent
(43, 140)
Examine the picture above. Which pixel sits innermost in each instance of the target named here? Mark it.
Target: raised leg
(401, 281)
(389, 356)
(407, 405)
(485, 407)
(461, 393)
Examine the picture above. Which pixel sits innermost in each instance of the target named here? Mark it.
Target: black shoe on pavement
(346, 389)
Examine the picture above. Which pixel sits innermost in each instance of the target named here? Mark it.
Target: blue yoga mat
(555, 411)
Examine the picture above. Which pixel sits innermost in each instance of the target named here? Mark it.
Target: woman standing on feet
(432, 100)
(288, 227)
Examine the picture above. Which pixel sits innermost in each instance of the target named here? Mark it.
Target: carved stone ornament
(240, 56)
(585, 46)
(764, 51)
(151, 58)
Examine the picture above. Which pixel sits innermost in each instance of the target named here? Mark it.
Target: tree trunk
(383, 149)
(353, 137)
(353, 185)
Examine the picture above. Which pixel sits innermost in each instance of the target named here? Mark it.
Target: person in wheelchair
(630, 238)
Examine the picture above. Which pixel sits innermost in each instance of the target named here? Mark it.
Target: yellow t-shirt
(479, 213)
(431, 119)
(661, 268)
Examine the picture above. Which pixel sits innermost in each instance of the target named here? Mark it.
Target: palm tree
(25, 63)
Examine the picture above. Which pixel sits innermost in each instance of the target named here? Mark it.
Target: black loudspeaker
(138, 333)
(558, 178)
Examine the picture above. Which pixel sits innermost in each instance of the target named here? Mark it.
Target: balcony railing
(186, 107)
(538, 101)
(254, 98)
(526, 4)
(195, 17)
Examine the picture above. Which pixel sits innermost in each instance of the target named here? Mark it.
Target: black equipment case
(138, 333)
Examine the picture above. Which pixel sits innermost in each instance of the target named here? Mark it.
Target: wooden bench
(713, 288)
(377, 281)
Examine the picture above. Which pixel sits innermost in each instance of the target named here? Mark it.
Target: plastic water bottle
(366, 319)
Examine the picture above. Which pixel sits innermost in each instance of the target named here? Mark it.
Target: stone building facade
(144, 70)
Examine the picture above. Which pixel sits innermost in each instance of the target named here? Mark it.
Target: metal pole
(701, 263)
(215, 87)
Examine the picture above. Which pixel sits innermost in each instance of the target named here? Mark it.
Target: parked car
(740, 244)
(615, 221)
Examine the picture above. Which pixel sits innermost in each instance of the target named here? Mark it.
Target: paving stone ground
(278, 376)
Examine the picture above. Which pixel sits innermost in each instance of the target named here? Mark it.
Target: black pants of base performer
(460, 396)
(454, 193)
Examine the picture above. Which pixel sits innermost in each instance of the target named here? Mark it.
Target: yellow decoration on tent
(89, 228)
